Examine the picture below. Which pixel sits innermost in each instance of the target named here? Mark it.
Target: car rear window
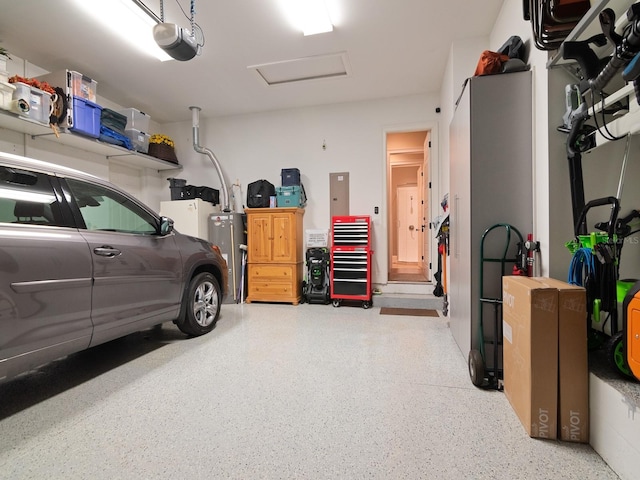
(27, 198)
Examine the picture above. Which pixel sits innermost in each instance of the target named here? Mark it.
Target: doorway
(409, 202)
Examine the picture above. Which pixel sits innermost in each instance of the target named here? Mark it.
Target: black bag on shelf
(207, 194)
(259, 193)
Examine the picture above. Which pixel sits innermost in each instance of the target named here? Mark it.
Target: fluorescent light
(127, 20)
(310, 16)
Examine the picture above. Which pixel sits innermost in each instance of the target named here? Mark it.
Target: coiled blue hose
(582, 266)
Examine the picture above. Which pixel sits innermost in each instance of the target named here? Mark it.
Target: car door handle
(106, 251)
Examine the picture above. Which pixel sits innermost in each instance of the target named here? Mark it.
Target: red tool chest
(351, 259)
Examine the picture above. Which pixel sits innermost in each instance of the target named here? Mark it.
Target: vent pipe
(195, 115)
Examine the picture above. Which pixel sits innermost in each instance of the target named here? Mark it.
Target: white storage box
(6, 95)
(31, 102)
(139, 139)
(136, 119)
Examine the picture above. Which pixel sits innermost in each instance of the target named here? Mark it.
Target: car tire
(201, 307)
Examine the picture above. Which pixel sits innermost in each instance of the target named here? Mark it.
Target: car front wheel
(202, 307)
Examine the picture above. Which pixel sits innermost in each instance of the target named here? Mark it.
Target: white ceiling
(393, 47)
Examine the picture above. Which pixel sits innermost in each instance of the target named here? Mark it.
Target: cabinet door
(284, 237)
(459, 278)
(259, 233)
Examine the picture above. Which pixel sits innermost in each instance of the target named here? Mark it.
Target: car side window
(28, 198)
(107, 210)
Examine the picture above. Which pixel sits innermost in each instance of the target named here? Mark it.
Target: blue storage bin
(86, 117)
(290, 177)
(293, 196)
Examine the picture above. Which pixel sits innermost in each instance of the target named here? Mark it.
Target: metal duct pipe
(195, 115)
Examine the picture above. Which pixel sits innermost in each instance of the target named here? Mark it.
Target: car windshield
(107, 210)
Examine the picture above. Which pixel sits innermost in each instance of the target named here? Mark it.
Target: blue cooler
(292, 196)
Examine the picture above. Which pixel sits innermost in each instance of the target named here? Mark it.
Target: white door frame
(434, 178)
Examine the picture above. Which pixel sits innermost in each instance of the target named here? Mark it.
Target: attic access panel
(302, 69)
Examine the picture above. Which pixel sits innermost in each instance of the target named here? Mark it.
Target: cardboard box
(530, 353)
(573, 362)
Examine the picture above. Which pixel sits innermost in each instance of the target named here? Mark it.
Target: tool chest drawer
(350, 265)
(351, 230)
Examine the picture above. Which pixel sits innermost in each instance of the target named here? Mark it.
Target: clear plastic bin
(34, 103)
(6, 95)
(139, 139)
(82, 86)
(136, 119)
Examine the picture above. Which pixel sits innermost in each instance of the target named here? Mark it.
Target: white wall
(462, 61)
(256, 146)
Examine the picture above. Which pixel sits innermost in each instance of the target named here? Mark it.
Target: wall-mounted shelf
(40, 131)
(624, 122)
(589, 26)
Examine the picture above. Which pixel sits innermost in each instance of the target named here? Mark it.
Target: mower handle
(580, 227)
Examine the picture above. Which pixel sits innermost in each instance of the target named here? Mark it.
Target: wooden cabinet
(275, 261)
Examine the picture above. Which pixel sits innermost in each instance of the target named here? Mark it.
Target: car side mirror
(166, 226)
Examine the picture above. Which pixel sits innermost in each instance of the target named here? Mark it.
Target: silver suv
(82, 262)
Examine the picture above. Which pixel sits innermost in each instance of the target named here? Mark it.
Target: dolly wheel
(617, 355)
(476, 368)
(336, 303)
(366, 304)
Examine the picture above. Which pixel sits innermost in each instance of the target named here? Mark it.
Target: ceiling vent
(303, 69)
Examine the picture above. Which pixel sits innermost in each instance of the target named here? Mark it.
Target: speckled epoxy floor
(275, 392)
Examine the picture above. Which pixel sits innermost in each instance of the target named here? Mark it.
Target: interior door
(425, 181)
(408, 215)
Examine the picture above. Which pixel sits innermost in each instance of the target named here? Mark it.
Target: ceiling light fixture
(128, 21)
(310, 16)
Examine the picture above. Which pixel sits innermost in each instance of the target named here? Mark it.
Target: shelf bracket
(34, 136)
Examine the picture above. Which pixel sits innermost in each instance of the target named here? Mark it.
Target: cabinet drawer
(349, 274)
(270, 273)
(258, 290)
(341, 287)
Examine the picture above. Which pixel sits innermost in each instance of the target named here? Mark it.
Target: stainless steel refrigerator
(228, 231)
